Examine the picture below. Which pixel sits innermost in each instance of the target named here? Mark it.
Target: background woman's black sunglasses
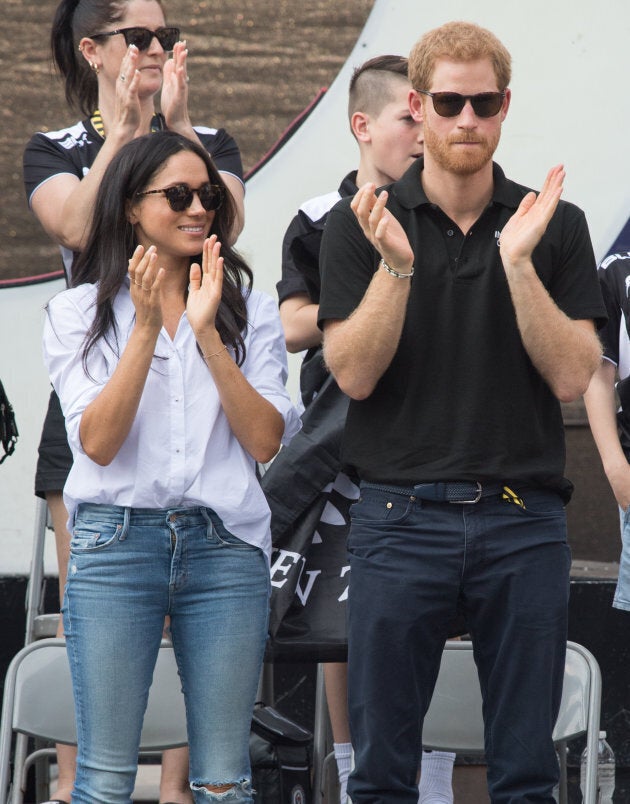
(180, 196)
(141, 37)
(450, 104)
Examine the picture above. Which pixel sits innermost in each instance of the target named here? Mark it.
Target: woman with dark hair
(170, 371)
(113, 58)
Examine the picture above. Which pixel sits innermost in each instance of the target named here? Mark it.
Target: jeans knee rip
(239, 791)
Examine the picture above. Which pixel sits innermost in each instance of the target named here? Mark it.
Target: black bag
(280, 754)
(311, 626)
(8, 427)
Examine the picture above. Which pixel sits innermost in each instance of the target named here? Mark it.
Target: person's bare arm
(566, 352)
(237, 191)
(107, 420)
(255, 422)
(359, 349)
(299, 321)
(174, 105)
(64, 203)
(601, 407)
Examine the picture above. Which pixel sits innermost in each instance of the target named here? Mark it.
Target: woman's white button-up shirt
(180, 450)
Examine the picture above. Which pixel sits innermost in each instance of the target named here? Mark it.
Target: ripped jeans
(128, 569)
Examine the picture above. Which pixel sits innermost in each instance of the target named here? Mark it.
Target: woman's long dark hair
(73, 20)
(112, 241)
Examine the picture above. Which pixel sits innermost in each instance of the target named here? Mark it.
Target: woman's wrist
(209, 342)
(218, 353)
(119, 135)
(183, 127)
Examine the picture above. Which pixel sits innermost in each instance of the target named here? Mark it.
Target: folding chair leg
(563, 788)
(330, 779)
(21, 751)
(42, 777)
(322, 737)
(36, 574)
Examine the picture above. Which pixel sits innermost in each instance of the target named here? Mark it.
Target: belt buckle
(470, 502)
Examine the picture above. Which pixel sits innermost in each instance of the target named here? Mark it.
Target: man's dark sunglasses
(141, 37)
(180, 196)
(450, 104)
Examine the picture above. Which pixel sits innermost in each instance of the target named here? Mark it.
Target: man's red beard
(461, 161)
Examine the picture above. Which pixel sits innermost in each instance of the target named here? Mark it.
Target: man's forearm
(359, 349)
(565, 352)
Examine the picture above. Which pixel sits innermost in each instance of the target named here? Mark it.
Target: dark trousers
(413, 565)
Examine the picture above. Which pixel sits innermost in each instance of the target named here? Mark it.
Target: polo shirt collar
(410, 193)
(505, 192)
(349, 185)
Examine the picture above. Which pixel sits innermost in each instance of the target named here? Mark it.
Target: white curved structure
(570, 104)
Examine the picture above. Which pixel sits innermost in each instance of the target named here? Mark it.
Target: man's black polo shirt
(461, 399)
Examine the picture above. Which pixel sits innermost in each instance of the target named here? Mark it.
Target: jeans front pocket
(377, 506)
(219, 536)
(90, 536)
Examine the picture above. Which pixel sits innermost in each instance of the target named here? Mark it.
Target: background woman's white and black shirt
(73, 150)
(180, 450)
(614, 278)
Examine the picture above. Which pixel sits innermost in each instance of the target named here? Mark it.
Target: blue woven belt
(456, 492)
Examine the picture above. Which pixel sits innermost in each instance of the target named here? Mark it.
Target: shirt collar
(158, 123)
(349, 185)
(410, 193)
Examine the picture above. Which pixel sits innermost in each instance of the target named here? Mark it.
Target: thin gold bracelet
(215, 354)
(397, 274)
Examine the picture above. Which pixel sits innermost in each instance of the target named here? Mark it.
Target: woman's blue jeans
(128, 569)
(622, 590)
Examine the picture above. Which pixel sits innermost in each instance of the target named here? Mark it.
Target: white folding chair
(38, 624)
(38, 703)
(454, 721)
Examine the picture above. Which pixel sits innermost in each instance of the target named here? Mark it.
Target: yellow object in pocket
(512, 497)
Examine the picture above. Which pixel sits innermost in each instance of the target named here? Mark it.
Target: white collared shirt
(180, 450)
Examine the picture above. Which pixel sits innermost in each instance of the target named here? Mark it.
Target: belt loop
(125, 525)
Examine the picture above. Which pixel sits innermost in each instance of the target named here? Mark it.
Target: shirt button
(450, 232)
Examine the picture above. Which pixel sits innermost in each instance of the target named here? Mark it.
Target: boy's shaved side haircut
(371, 84)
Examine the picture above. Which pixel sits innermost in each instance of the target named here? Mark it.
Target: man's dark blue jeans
(413, 565)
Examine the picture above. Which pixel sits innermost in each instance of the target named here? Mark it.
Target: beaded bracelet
(215, 354)
(397, 274)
